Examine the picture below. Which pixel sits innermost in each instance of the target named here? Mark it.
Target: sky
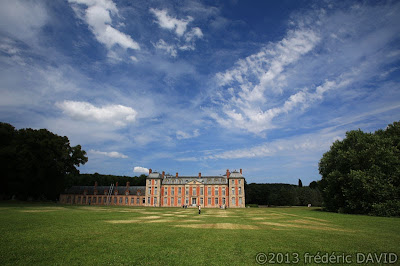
(201, 86)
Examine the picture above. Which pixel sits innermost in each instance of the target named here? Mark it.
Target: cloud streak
(112, 154)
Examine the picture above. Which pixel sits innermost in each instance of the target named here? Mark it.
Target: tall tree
(361, 173)
(38, 162)
(300, 183)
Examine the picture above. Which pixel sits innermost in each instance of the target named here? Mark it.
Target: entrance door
(194, 202)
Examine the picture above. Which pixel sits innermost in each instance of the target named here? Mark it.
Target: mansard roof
(236, 174)
(133, 190)
(207, 180)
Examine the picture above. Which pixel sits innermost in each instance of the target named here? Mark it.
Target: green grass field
(58, 234)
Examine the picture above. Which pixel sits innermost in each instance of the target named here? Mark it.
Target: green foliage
(282, 195)
(361, 173)
(36, 163)
(105, 180)
(300, 183)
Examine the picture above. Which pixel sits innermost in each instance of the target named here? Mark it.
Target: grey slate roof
(206, 180)
(133, 190)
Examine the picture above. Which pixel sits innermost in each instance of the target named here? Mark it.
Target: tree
(300, 183)
(361, 173)
(37, 162)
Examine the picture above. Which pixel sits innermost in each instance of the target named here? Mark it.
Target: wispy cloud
(186, 135)
(186, 39)
(170, 23)
(112, 154)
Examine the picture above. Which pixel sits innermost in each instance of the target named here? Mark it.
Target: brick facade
(166, 191)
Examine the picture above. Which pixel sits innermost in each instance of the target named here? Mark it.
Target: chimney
(241, 171)
(163, 174)
(128, 184)
(227, 173)
(150, 171)
(176, 175)
(199, 175)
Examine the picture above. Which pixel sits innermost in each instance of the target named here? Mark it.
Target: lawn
(59, 234)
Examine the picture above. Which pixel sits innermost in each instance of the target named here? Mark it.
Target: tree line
(283, 195)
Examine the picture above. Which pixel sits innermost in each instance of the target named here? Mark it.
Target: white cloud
(185, 135)
(98, 16)
(171, 23)
(314, 143)
(307, 67)
(112, 154)
(117, 115)
(140, 170)
(22, 19)
(243, 104)
(186, 39)
(162, 45)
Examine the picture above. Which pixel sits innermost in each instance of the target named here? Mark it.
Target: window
(201, 201)
(223, 201)
(233, 191)
(155, 182)
(233, 201)
(209, 190)
(144, 200)
(149, 190)
(233, 182)
(126, 201)
(132, 200)
(127, 193)
(149, 182)
(172, 191)
(223, 191)
(172, 201)
(209, 201)
(187, 191)
(216, 191)
(194, 190)
(148, 200)
(137, 201)
(216, 201)
(139, 192)
(165, 201)
(201, 191)
(179, 201)
(155, 190)
(179, 191)
(240, 201)
(240, 181)
(99, 200)
(84, 200)
(240, 191)
(186, 201)
(120, 200)
(155, 201)
(94, 199)
(115, 200)
(165, 191)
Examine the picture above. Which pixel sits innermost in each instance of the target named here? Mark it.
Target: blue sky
(201, 86)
